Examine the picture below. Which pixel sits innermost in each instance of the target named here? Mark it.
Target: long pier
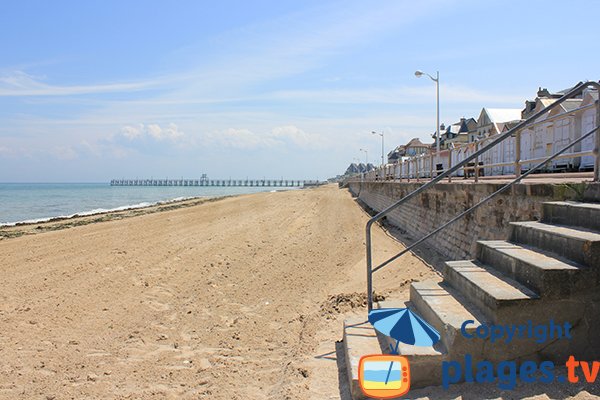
(213, 182)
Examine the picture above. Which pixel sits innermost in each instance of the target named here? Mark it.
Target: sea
(38, 202)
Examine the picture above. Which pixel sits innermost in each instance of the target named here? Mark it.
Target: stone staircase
(547, 270)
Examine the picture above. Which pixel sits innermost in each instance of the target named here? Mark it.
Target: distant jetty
(214, 182)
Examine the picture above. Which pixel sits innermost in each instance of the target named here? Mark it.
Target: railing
(474, 156)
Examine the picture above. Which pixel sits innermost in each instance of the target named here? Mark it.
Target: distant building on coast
(491, 121)
(413, 148)
(354, 168)
(457, 133)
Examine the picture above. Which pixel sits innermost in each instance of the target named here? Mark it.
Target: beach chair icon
(384, 376)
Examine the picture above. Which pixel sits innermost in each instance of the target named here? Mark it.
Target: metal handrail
(573, 92)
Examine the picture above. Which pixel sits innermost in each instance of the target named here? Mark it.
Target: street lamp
(366, 156)
(419, 74)
(380, 134)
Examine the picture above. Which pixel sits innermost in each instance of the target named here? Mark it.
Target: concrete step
(360, 339)
(576, 244)
(548, 276)
(571, 213)
(446, 311)
(499, 298)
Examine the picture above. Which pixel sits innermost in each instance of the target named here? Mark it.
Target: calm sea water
(33, 202)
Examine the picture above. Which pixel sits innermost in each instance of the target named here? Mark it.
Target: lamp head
(419, 74)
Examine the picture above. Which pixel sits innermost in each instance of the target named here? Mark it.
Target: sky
(95, 90)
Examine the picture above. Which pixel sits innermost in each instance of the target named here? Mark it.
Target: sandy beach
(238, 298)
(224, 300)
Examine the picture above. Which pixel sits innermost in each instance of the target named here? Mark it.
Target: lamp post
(380, 134)
(366, 156)
(419, 74)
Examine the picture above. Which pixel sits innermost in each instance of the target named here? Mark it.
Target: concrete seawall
(427, 211)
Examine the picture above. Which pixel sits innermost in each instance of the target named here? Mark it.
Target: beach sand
(226, 300)
(240, 298)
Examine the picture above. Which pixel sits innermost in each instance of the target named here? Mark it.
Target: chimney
(543, 92)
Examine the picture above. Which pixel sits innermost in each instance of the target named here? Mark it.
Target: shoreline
(27, 227)
(98, 211)
(17, 229)
(81, 209)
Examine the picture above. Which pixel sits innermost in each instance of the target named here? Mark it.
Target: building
(413, 148)
(552, 131)
(457, 133)
(491, 121)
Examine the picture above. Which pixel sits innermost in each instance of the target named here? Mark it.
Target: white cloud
(170, 132)
(132, 132)
(5, 151)
(298, 137)
(64, 152)
(280, 136)
(240, 139)
(20, 83)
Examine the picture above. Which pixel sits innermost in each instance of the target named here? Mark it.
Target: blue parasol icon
(405, 326)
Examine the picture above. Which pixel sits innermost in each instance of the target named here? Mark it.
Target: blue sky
(91, 90)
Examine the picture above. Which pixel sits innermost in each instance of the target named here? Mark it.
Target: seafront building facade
(546, 135)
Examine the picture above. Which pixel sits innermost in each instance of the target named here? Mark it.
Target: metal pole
(437, 130)
(518, 154)
(431, 165)
(369, 268)
(476, 163)
(597, 145)
(382, 151)
(449, 164)
(366, 156)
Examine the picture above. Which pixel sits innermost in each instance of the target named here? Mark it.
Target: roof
(415, 142)
(571, 104)
(509, 125)
(546, 102)
(503, 114)
(498, 116)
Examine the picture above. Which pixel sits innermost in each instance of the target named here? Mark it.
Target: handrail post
(476, 169)
(369, 268)
(597, 145)
(518, 154)
(431, 165)
(449, 164)
(401, 164)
